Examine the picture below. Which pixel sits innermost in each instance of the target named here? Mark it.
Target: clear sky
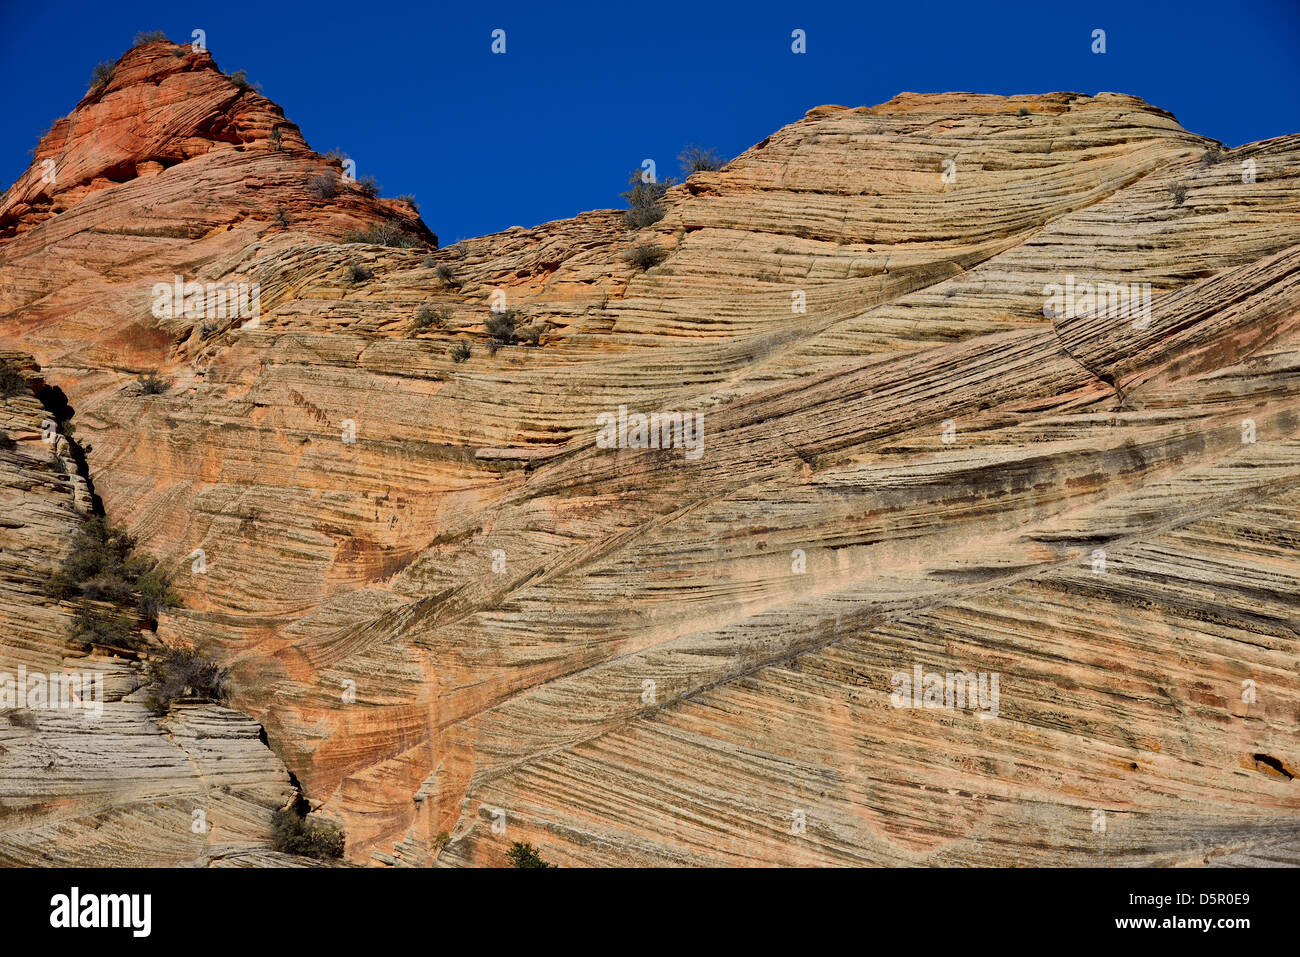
(585, 91)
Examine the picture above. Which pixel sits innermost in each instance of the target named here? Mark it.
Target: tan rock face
(105, 782)
(451, 607)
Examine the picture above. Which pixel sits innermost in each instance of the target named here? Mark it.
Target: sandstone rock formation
(449, 607)
(111, 785)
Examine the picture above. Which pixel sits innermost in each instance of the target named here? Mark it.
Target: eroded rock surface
(107, 783)
(447, 605)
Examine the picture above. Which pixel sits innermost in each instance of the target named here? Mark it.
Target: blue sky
(585, 91)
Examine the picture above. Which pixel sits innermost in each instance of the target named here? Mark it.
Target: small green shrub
(100, 567)
(409, 200)
(292, 833)
(154, 594)
(281, 217)
(111, 587)
(387, 233)
(646, 200)
(1212, 156)
(97, 549)
(1178, 192)
(99, 626)
(696, 159)
(460, 351)
(368, 185)
(646, 255)
(430, 316)
(153, 36)
(530, 334)
(240, 79)
(102, 75)
(447, 275)
(1023, 111)
(152, 385)
(184, 673)
(501, 326)
(523, 854)
(358, 273)
(12, 382)
(323, 186)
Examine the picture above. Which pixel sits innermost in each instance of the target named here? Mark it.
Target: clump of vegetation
(358, 273)
(447, 276)
(101, 568)
(368, 185)
(523, 854)
(102, 75)
(152, 385)
(292, 833)
(439, 842)
(646, 255)
(240, 79)
(530, 334)
(696, 159)
(460, 351)
(1023, 111)
(501, 326)
(11, 380)
(153, 595)
(1212, 156)
(409, 200)
(103, 626)
(1179, 193)
(184, 673)
(323, 186)
(277, 139)
(281, 217)
(387, 233)
(430, 316)
(152, 36)
(646, 200)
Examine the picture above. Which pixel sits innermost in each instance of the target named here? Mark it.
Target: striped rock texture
(453, 611)
(109, 785)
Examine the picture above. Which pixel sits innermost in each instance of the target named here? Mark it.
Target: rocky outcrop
(451, 608)
(105, 783)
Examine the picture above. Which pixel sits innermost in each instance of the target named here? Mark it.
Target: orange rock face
(455, 609)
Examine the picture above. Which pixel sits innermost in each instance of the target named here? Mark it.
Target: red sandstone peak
(164, 105)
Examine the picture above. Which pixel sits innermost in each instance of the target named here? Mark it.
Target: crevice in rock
(55, 401)
(1271, 762)
(1100, 376)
